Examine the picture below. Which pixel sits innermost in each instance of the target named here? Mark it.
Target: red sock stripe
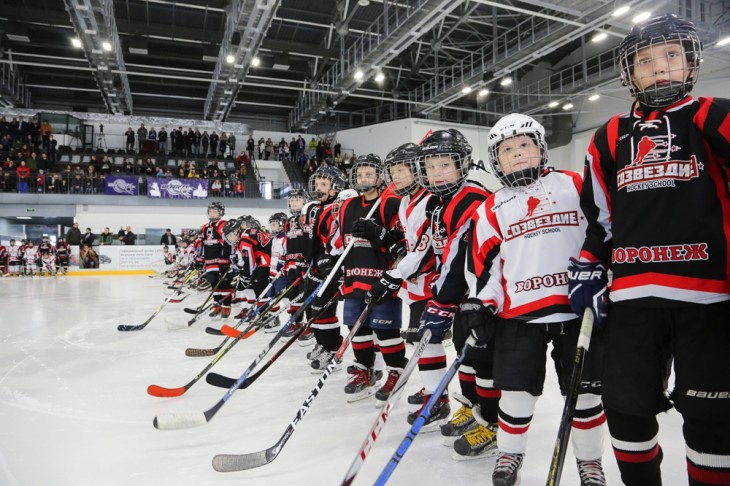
(720, 477)
(433, 360)
(467, 377)
(361, 346)
(635, 457)
(326, 320)
(488, 392)
(376, 347)
(585, 425)
(293, 309)
(513, 430)
(393, 349)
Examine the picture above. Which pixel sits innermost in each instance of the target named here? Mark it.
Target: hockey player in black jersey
(443, 167)
(656, 200)
(294, 262)
(63, 254)
(214, 258)
(364, 265)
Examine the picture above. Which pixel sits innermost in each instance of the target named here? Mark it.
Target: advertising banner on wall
(177, 188)
(136, 257)
(121, 185)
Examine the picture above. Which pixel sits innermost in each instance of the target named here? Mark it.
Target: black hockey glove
(478, 320)
(438, 318)
(387, 286)
(199, 263)
(588, 289)
(325, 264)
(369, 230)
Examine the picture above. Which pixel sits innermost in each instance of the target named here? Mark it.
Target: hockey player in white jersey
(47, 257)
(15, 256)
(31, 258)
(520, 239)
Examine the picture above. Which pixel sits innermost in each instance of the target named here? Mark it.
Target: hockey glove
(199, 263)
(387, 286)
(588, 289)
(478, 320)
(369, 230)
(224, 266)
(438, 318)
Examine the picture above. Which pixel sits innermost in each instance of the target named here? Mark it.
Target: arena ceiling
(295, 61)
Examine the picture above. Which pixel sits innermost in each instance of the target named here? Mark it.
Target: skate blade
(433, 426)
(319, 372)
(306, 343)
(271, 330)
(484, 455)
(356, 397)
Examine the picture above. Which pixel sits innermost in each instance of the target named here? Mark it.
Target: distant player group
(26, 259)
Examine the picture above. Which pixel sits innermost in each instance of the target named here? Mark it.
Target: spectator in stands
(179, 141)
(46, 130)
(300, 146)
(197, 139)
(312, 148)
(141, 138)
(338, 149)
(73, 235)
(231, 145)
(215, 187)
(168, 238)
(90, 182)
(162, 137)
(192, 173)
(139, 167)
(76, 186)
(88, 238)
(128, 168)
(23, 173)
(251, 147)
(130, 140)
(293, 148)
(129, 237)
(262, 148)
(88, 257)
(242, 159)
(32, 162)
(150, 169)
(44, 163)
(238, 188)
(241, 174)
(52, 145)
(189, 137)
(226, 185)
(213, 143)
(269, 147)
(40, 181)
(181, 173)
(106, 166)
(152, 139)
(223, 144)
(204, 140)
(106, 237)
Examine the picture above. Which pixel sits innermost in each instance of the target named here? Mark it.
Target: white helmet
(510, 126)
(347, 194)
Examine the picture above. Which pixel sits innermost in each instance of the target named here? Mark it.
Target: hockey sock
(708, 451)
(468, 381)
(487, 395)
(635, 443)
(392, 347)
(330, 338)
(362, 346)
(587, 431)
(515, 416)
(432, 366)
(379, 361)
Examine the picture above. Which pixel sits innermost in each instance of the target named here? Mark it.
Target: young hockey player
(364, 265)
(277, 225)
(215, 259)
(15, 258)
(443, 167)
(324, 185)
(31, 258)
(63, 254)
(258, 244)
(3, 260)
(295, 264)
(47, 257)
(518, 287)
(655, 196)
(416, 270)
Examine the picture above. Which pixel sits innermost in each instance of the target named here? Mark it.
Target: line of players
(28, 259)
(516, 268)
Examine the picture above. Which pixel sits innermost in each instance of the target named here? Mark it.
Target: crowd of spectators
(189, 142)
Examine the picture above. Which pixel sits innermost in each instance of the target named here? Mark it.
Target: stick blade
(174, 421)
(127, 327)
(190, 311)
(243, 462)
(197, 353)
(219, 380)
(213, 331)
(230, 332)
(162, 392)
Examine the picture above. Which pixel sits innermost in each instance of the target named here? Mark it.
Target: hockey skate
(591, 473)
(272, 324)
(319, 363)
(215, 312)
(225, 312)
(361, 384)
(507, 470)
(439, 413)
(293, 328)
(315, 352)
(478, 442)
(378, 373)
(306, 338)
(381, 396)
(462, 421)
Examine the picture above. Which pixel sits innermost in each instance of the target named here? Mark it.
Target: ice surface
(74, 409)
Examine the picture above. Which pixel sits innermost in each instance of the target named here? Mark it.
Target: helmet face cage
(667, 36)
(279, 218)
(444, 162)
(367, 173)
(232, 231)
(505, 131)
(401, 170)
(335, 177)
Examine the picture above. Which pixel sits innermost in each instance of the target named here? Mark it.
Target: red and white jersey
(521, 240)
(30, 253)
(418, 267)
(185, 256)
(14, 253)
(3, 253)
(278, 252)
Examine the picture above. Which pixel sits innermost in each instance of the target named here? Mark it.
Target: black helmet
(335, 175)
(297, 194)
(232, 231)
(217, 206)
(280, 218)
(444, 143)
(407, 154)
(661, 30)
(369, 160)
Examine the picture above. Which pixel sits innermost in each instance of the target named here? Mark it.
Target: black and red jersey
(296, 240)
(656, 198)
(317, 221)
(215, 249)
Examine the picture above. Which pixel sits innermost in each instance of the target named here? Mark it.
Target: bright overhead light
(724, 41)
(107, 46)
(466, 89)
(594, 97)
(380, 77)
(23, 217)
(358, 74)
(641, 17)
(506, 81)
(255, 61)
(230, 58)
(483, 92)
(620, 11)
(599, 36)
(363, 3)
(553, 104)
(75, 42)
(567, 106)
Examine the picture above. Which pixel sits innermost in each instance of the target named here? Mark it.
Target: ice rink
(74, 410)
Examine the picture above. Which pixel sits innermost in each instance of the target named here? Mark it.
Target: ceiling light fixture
(363, 3)
(599, 36)
(358, 74)
(76, 42)
(255, 61)
(23, 217)
(594, 97)
(466, 90)
(641, 17)
(380, 77)
(483, 92)
(506, 81)
(620, 11)
(567, 106)
(724, 41)
(553, 104)
(230, 58)
(107, 46)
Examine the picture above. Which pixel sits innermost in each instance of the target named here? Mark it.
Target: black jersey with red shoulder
(45, 248)
(296, 239)
(214, 247)
(260, 244)
(317, 220)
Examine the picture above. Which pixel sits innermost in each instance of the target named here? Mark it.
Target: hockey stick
(182, 421)
(225, 382)
(240, 462)
(385, 413)
(210, 296)
(566, 421)
(423, 416)
(126, 327)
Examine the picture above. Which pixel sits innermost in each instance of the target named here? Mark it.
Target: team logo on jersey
(535, 283)
(684, 252)
(438, 231)
(546, 223)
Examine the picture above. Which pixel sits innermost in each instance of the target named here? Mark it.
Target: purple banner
(177, 188)
(121, 185)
